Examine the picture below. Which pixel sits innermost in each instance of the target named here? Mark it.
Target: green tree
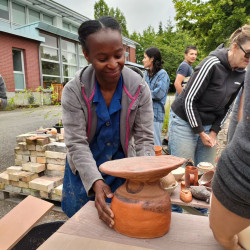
(211, 22)
(102, 9)
(171, 42)
(160, 30)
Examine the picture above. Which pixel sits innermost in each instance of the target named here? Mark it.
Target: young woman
(158, 81)
(107, 115)
(201, 109)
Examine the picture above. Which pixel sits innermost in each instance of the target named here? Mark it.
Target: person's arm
(161, 86)
(226, 233)
(75, 125)
(240, 111)
(3, 96)
(178, 83)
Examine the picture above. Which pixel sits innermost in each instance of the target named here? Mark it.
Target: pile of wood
(39, 167)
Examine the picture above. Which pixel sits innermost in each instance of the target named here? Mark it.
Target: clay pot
(141, 207)
(206, 178)
(183, 185)
(191, 176)
(186, 196)
(158, 150)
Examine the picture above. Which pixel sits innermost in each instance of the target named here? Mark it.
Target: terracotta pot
(141, 207)
(158, 150)
(206, 178)
(191, 176)
(183, 185)
(186, 195)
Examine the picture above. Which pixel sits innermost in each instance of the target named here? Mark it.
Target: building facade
(39, 44)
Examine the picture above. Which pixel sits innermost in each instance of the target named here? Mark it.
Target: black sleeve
(196, 87)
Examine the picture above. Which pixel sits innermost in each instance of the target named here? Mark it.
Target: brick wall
(132, 56)
(131, 51)
(31, 60)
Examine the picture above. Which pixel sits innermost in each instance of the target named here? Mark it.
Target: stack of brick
(40, 164)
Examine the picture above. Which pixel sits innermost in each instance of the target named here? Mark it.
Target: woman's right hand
(103, 191)
(207, 140)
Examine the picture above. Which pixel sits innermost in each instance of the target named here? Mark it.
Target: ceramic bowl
(178, 173)
(206, 178)
(204, 167)
(171, 189)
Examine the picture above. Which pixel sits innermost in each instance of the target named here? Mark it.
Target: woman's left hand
(103, 191)
(213, 135)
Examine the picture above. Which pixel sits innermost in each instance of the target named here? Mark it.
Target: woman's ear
(234, 46)
(86, 55)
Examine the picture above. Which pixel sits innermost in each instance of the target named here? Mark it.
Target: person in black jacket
(201, 109)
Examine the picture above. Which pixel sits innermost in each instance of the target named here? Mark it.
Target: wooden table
(175, 199)
(86, 231)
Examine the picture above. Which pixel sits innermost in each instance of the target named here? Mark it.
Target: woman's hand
(103, 191)
(213, 135)
(208, 140)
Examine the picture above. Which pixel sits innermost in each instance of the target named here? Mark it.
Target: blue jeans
(183, 142)
(157, 132)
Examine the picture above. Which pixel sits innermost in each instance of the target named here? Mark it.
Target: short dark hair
(92, 26)
(188, 48)
(157, 62)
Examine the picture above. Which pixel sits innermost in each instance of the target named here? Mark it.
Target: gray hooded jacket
(231, 183)
(80, 121)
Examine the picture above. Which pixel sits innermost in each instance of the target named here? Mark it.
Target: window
(82, 60)
(68, 59)
(50, 60)
(18, 13)
(127, 54)
(4, 9)
(74, 29)
(18, 69)
(47, 19)
(66, 26)
(34, 16)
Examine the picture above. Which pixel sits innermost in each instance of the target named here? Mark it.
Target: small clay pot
(206, 178)
(183, 185)
(191, 176)
(158, 150)
(186, 196)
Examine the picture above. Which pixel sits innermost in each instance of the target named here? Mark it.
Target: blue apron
(105, 146)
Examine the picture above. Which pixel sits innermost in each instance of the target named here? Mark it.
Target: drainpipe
(40, 72)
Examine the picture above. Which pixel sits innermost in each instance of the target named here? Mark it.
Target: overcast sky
(139, 14)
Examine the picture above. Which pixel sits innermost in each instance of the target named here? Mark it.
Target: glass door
(18, 66)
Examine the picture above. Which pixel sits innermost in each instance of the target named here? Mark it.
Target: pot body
(141, 209)
(191, 176)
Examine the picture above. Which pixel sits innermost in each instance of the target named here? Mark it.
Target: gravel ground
(16, 122)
